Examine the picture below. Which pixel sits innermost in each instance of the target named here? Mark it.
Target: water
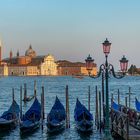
(56, 86)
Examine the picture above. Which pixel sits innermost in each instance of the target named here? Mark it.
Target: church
(28, 65)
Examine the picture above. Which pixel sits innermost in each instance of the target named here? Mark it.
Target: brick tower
(11, 54)
(0, 52)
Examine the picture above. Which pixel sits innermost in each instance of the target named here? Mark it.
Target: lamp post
(107, 69)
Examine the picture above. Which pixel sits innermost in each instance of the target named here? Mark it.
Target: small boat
(31, 119)
(27, 99)
(9, 119)
(83, 118)
(137, 104)
(56, 117)
(77, 76)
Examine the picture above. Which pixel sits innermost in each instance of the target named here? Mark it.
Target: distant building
(73, 68)
(0, 52)
(30, 64)
(3, 69)
(48, 66)
(3, 66)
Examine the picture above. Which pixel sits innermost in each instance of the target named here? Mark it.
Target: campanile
(0, 52)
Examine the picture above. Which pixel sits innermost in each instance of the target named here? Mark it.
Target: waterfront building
(3, 69)
(30, 64)
(74, 68)
(48, 66)
(3, 66)
(23, 70)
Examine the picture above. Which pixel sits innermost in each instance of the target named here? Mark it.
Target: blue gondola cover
(14, 109)
(31, 119)
(137, 104)
(35, 108)
(79, 110)
(115, 106)
(56, 117)
(57, 110)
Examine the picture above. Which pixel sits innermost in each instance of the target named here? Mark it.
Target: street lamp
(107, 69)
(124, 64)
(89, 64)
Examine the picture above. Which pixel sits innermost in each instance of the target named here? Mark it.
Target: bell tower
(0, 52)
(11, 54)
(18, 53)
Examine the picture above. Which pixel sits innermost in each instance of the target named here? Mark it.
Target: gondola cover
(115, 106)
(57, 109)
(34, 109)
(31, 119)
(137, 104)
(56, 117)
(80, 109)
(13, 110)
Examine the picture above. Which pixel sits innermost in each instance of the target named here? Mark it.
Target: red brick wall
(69, 70)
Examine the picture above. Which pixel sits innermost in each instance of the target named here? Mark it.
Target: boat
(27, 99)
(56, 117)
(9, 119)
(78, 76)
(137, 104)
(31, 120)
(83, 118)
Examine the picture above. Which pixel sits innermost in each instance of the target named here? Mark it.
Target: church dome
(30, 52)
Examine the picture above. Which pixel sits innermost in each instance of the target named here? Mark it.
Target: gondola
(83, 118)
(56, 117)
(9, 118)
(27, 99)
(137, 104)
(31, 120)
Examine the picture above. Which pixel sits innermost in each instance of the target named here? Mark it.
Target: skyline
(72, 29)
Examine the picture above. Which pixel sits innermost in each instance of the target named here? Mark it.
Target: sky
(72, 29)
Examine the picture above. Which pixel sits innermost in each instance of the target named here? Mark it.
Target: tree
(133, 70)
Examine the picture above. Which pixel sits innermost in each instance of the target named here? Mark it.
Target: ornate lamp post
(107, 69)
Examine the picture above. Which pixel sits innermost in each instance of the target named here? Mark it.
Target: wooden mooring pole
(43, 111)
(100, 110)
(103, 97)
(25, 91)
(96, 113)
(89, 98)
(35, 88)
(129, 96)
(20, 102)
(13, 95)
(112, 98)
(126, 101)
(42, 107)
(13, 98)
(118, 96)
(67, 109)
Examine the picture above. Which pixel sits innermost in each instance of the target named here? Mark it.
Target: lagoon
(56, 86)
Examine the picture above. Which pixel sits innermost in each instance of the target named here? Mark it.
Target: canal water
(56, 86)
